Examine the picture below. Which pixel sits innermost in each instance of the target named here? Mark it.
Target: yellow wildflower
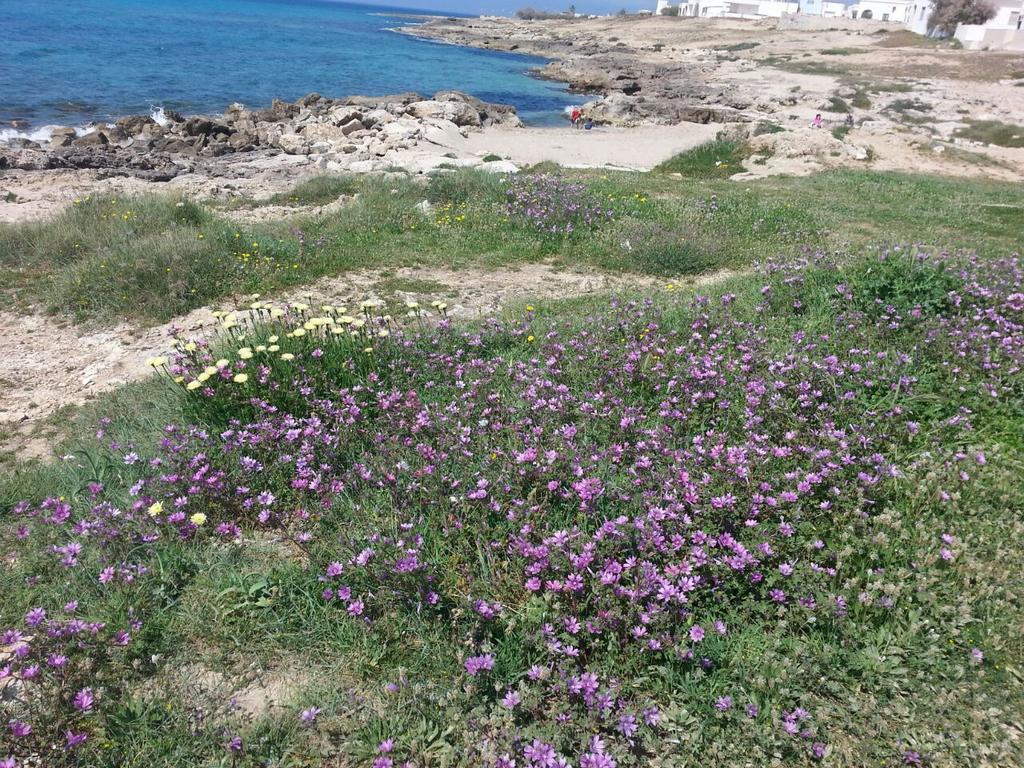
(193, 385)
(240, 378)
(245, 353)
(287, 356)
(198, 518)
(156, 508)
(156, 362)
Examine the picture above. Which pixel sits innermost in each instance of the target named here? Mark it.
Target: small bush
(716, 159)
(554, 205)
(836, 104)
(318, 190)
(739, 47)
(841, 51)
(654, 248)
(860, 100)
(993, 132)
(766, 127)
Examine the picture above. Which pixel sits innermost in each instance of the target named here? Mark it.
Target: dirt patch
(251, 694)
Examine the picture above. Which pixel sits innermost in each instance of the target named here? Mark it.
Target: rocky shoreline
(631, 86)
(355, 134)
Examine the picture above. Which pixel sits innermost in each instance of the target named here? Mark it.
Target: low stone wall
(822, 23)
(978, 37)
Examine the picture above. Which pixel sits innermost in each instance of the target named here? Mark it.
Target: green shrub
(716, 159)
(993, 132)
(654, 248)
(318, 190)
(466, 185)
(836, 104)
(766, 127)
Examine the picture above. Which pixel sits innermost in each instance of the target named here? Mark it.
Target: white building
(821, 8)
(1002, 31)
(881, 10)
(751, 9)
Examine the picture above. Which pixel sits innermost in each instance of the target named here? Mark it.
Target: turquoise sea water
(70, 62)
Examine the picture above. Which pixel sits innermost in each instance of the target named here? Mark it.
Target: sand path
(640, 148)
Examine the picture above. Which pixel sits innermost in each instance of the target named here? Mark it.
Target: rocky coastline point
(353, 134)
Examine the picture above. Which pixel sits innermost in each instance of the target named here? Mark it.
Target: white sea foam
(40, 135)
(159, 116)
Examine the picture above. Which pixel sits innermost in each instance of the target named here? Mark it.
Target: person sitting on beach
(817, 122)
(589, 124)
(575, 117)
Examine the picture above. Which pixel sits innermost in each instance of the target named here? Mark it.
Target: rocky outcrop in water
(356, 133)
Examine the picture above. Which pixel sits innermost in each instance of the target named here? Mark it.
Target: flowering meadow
(776, 524)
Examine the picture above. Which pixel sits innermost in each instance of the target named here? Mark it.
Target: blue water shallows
(75, 61)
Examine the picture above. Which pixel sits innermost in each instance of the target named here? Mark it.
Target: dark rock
(382, 102)
(23, 144)
(113, 134)
(133, 125)
(351, 127)
(203, 126)
(309, 100)
(62, 137)
(279, 112)
(94, 139)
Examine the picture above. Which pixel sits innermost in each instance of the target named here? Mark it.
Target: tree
(947, 14)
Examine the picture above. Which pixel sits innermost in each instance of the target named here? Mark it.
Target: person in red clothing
(576, 117)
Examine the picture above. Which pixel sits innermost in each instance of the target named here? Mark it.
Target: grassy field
(152, 259)
(775, 524)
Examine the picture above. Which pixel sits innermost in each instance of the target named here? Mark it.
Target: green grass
(153, 258)
(739, 47)
(227, 608)
(843, 51)
(860, 99)
(318, 190)
(888, 87)
(993, 132)
(802, 67)
(766, 127)
(837, 104)
(716, 159)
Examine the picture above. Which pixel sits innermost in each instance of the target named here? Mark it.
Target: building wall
(978, 37)
(882, 10)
